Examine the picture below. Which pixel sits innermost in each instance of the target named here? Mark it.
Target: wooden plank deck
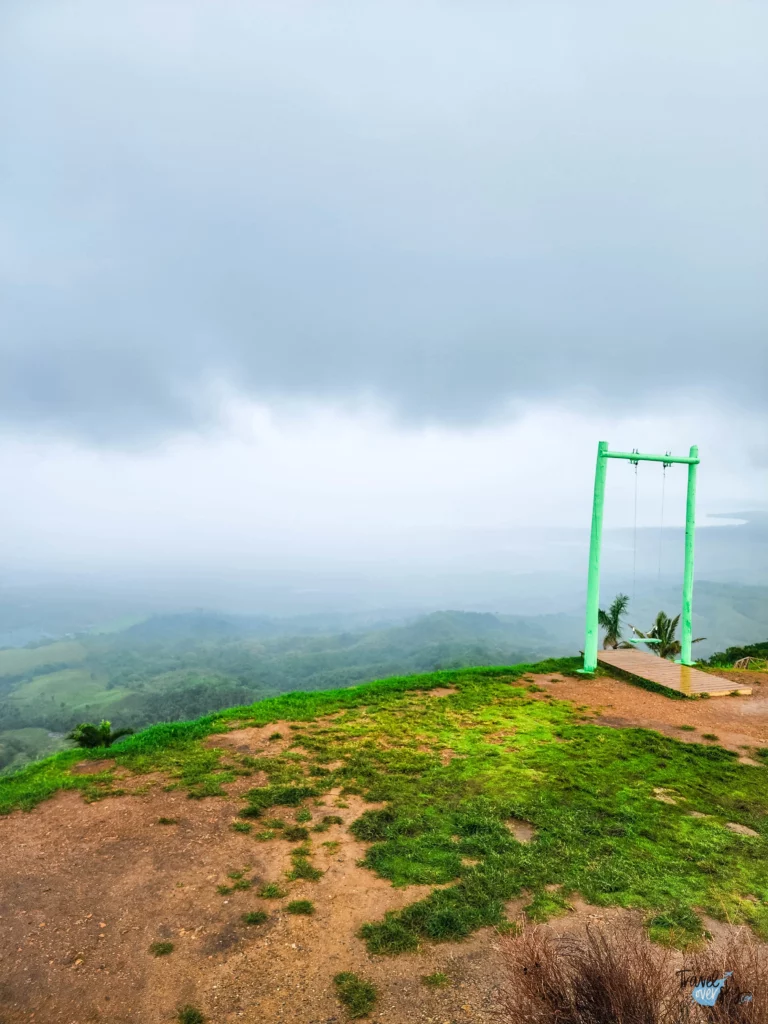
(682, 678)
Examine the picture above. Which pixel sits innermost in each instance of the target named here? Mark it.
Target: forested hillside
(174, 667)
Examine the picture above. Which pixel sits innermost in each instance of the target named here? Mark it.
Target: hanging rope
(634, 539)
(661, 527)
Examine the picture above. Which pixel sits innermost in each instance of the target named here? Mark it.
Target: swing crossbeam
(668, 460)
(595, 544)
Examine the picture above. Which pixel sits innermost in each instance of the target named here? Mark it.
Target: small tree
(611, 621)
(89, 735)
(663, 630)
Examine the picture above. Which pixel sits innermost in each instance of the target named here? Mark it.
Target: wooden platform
(647, 667)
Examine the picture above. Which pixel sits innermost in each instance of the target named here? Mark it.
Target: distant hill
(173, 667)
(176, 666)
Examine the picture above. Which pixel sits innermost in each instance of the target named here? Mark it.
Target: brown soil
(523, 831)
(86, 888)
(740, 723)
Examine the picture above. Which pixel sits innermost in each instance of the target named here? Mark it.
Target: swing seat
(643, 640)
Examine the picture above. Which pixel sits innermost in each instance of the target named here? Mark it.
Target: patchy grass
(327, 821)
(303, 869)
(301, 907)
(687, 728)
(241, 826)
(710, 736)
(167, 821)
(678, 927)
(436, 980)
(358, 996)
(272, 891)
(239, 883)
(161, 948)
(451, 773)
(255, 917)
(295, 833)
(190, 1015)
(175, 748)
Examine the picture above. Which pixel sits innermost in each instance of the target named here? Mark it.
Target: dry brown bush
(618, 976)
(748, 960)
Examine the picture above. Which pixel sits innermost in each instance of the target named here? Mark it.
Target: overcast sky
(292, 276)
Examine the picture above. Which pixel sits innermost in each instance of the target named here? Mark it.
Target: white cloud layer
(321, 484)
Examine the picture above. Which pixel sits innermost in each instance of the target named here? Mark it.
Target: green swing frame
(591, 636)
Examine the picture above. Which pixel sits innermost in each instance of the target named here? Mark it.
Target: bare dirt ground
(740, 723)
(86, 888)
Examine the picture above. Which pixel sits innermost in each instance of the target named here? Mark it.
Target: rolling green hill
(174, 667)
(18, 661)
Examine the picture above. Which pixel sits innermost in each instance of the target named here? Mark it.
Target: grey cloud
(450, 210)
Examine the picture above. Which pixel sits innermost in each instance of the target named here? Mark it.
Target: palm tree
(611, 621)
(662, 632)
(89, 735)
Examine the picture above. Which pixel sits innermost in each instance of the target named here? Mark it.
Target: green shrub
(272, 891)
(90, 736)
(436, 980)
(295, 833)
(359, 996)
(301, 907)
(190, 1015)
(161, 948)
(304, 870)
(255, 917)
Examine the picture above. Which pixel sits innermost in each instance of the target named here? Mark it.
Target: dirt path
(740, 723)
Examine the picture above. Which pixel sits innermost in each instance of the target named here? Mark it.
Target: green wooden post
(690, 527)
(593, 580)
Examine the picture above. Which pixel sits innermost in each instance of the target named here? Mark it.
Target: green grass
(75, 688)
(17, 660)
(303, 869)
(255, 917)
(161, 948)
(167, 821)
(687, 728)
(586, 789)
(189, 1015)
(301, 907)
(272, 891)
(295, 833)
(175, 748)
(436, 980)
(358, 996)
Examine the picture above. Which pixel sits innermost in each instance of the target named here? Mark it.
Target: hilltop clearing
(239, 863)
(176, 667)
